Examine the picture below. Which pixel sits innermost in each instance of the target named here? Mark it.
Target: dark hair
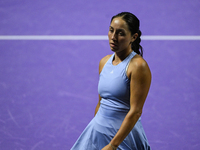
(133, 25)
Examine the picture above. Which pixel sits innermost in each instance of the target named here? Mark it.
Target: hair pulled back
(133, 25)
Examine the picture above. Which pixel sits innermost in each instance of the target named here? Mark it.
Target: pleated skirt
(103, 127)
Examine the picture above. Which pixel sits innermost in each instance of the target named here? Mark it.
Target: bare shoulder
(103, 62)
(138, 62)
(138, 66)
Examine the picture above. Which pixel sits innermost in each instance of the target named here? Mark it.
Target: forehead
(119, 23)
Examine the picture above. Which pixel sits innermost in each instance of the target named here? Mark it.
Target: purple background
(48, 89)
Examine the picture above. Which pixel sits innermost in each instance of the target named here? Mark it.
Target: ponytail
(135, 46)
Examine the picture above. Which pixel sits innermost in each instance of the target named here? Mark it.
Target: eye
(121, 33)
(111, 30)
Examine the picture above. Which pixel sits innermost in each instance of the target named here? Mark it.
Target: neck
(120, 56)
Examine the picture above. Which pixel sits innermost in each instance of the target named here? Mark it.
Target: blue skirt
(103, 127)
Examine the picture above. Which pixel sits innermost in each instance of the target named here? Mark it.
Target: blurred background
(48, 88)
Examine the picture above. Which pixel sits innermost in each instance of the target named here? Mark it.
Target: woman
(123, 87)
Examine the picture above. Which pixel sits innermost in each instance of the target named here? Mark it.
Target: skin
(138, 72)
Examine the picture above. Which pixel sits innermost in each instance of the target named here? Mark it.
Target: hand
(107, 147)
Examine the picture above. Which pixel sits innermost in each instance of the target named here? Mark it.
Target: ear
(134, 37)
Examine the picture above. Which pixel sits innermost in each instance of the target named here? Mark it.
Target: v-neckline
(120, 62)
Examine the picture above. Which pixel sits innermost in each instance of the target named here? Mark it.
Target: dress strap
(129, 59)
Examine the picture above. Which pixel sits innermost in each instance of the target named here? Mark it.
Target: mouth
(113, 45)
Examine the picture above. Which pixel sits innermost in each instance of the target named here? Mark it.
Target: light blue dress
(114, 88)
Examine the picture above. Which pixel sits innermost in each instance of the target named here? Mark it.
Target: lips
(113, 45)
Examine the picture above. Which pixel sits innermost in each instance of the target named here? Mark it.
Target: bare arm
(98, 105)
(101, 65)
(140, 79)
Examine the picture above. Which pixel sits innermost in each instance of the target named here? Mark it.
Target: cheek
(123, 41)
(109, 35)
(127, 41)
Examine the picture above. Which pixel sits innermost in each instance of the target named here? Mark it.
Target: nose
(114, 36)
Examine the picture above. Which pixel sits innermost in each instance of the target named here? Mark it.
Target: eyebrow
(118, 29)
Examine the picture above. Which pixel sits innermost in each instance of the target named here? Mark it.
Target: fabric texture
(114, 89)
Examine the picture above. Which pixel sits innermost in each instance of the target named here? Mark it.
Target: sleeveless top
(114, 85)
(114, 89)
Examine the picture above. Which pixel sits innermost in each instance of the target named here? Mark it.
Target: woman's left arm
(140, 80)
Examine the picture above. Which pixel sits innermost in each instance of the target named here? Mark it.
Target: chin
(112, 49)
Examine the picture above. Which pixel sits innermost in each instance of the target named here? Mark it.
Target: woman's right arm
(101, 65)
(98, 105)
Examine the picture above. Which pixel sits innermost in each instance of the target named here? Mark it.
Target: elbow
(136, 113)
